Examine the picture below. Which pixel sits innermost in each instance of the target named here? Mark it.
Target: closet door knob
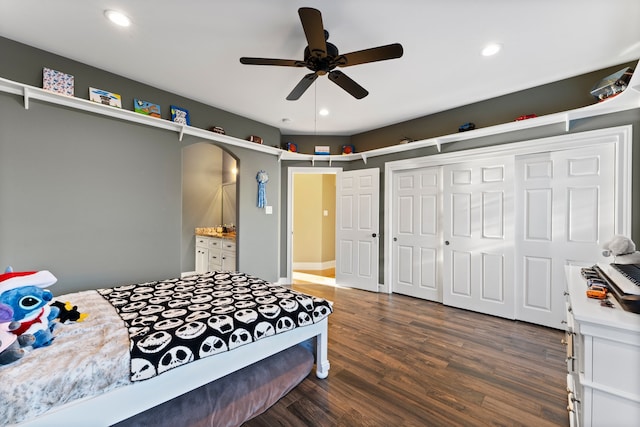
(446, 242)
(374, 235)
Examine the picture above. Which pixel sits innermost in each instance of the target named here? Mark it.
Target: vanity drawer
(228, 245)
(202, 242)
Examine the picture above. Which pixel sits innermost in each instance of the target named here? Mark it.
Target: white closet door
(478, 236)
(565, 211)
(416, 233)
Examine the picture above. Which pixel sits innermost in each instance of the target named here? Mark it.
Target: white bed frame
(119, 404)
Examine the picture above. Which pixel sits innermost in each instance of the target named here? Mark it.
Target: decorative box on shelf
(322, 149)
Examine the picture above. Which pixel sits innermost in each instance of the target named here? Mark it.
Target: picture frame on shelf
(105, 97)
(58, 82)
(323, 150)
(180, 115)
(145, 107)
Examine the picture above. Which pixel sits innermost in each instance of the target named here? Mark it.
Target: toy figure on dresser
(623, 250)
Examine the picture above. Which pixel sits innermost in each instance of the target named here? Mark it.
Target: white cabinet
(202, 254)
(603, 351)
(215, 253)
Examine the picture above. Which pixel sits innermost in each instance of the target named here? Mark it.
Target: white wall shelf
(627, 100)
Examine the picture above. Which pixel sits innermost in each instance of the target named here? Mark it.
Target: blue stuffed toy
(24, 292)
(11, 346)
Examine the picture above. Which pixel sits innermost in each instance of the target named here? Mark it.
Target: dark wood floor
(401, 361)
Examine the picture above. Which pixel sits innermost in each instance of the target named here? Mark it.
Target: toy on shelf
(348, 149)
(467, 126)
(612, 85)
(526, 117)
(292, 147)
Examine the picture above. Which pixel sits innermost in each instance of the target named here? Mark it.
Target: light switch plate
(268, 210)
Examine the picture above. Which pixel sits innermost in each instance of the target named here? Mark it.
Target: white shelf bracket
(329, 161)
(567, 122)
(438, 145)
(364, 157)
(26, 98)
(181, 133)
(313, 161)
(280, 157)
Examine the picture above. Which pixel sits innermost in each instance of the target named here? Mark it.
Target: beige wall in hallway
(314, 233)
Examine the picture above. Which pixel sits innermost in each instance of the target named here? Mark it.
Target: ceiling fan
(322, 57)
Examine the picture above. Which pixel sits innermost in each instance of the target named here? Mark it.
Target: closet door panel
(564, 212)
(417, 240)
(478, 236)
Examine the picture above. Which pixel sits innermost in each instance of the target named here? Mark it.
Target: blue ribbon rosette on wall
(262, 177)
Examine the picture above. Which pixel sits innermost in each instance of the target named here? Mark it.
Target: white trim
(292, 171)
(322, 265)
(621, 136)
(627, 100)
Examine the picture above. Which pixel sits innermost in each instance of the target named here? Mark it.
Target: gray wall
(97, 200)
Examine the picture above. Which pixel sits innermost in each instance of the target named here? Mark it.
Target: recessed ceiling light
(491, 49)
(323, 112)
(117, 18)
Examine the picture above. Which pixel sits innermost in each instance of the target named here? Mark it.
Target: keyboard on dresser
(622, 279)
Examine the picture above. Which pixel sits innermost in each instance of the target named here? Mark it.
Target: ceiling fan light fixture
(117, 18)
(491, 49)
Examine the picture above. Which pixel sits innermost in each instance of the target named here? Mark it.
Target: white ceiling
(192, 48)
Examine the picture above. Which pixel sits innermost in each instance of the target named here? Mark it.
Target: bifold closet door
(565, 210)
(416, 245)
(478, 236)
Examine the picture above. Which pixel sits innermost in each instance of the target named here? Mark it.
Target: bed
(149, 343)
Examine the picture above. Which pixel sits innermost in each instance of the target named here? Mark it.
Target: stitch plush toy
(24, 293)
(11, 345)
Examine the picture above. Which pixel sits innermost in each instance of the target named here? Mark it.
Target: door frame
(290, 175)
(621, 135)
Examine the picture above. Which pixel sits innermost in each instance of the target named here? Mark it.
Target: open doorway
(209, 195)
(312, 225)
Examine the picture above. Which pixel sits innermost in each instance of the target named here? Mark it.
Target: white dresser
(603, 359)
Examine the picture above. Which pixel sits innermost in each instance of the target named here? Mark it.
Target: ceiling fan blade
(268, 61)
(314, 31)
(380, 53)
(346, 83)
(302, 86)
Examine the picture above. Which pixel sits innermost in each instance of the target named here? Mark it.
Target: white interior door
(478, 236)
(417, 241)
(357, 228)
(565, 210)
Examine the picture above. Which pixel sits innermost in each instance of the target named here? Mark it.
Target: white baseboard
(314, 265)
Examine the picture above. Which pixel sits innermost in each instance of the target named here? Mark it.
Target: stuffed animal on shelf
(11, 346)
(24, 292)
(623, 250)
(68, 312)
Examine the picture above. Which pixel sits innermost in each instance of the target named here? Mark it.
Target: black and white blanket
(176, 321)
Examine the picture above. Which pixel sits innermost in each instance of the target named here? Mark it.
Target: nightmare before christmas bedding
(177, 321)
